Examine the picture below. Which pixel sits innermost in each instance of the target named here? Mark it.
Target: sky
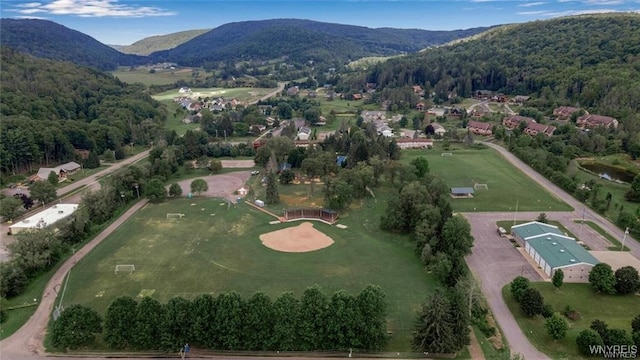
(122, 22)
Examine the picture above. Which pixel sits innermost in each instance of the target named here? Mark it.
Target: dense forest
(49, 108)
(50, 40)
(302, 40)
(590, 61)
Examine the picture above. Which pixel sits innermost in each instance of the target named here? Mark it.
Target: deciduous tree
(53, 178)
(10, 207)
(531, 302)
(76, 327)
(119, 331)
(556, 326)
(155, 191)
(286, 311)
(627, 280)
(587, 339)
(175, 190)
(602, 278)
(148, 324)
(43, 191)
(558, 278)
(198, 186)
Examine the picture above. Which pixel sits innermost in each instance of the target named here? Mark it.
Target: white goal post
(125, 267)
(174, 215)
(447, 154)
(480, 187)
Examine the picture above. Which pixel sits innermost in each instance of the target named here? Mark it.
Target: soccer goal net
(480, 187)
(447, 154)
(174, 216)
(128, 268)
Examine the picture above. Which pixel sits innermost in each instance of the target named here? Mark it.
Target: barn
(552, 250)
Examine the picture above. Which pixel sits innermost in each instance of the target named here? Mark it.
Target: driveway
(495, 262)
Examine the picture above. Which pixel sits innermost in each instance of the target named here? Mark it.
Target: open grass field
(344, 106)
(160, 77)
(242, 94)
(506, 183)
(617, 313)
(174, 119)
(206, 253)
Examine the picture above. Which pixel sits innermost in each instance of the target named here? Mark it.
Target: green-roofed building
(552, 250)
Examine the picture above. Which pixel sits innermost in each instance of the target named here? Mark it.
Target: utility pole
(626, 232)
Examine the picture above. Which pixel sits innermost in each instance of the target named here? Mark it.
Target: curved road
(495, 261)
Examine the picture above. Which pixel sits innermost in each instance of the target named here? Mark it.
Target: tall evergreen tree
(272, 196)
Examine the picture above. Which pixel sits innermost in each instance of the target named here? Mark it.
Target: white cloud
(579, 12)
(603, 2)
(539, 12)
(91, 8)
(532, 4)
(30, 17)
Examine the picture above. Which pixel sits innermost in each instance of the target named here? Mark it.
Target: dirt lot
(222, 186)
(238, 164)
(301, 238)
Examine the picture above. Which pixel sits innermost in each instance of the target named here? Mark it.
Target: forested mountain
(592, 61)
(50, 108)
(302, 40)
(152, 44)
(47, 39)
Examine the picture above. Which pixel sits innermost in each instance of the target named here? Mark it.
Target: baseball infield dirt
(297, 239)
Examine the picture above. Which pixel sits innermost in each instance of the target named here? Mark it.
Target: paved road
(495, 261)
(73, 196)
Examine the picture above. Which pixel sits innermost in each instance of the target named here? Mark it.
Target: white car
(255, 172)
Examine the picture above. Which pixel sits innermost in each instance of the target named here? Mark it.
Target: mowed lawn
(206, 253)
(160, 77)
(507, 185)
(617, 313)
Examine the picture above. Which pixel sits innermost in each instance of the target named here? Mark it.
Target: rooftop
(533, 229)
(462, 190)
(47, 217)
(561, 251)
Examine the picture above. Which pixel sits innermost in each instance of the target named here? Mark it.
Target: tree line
(315, 321)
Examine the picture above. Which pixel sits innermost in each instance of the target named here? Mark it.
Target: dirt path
(475, 351)
(28, 340)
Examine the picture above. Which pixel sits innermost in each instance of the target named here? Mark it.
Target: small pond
(609, 172)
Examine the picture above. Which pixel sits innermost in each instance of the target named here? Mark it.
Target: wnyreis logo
(614, 351)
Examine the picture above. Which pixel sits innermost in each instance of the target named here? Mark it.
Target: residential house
(438, 129)
(265, 109)
(312, 94)
(593, 121)
(270, 120)
(321, 121)
(216, 107)
(482, 94)
(416, 89)
(535, 128)
(513, 121)
(420, 143)
(455, 112)
(563, 113)
(479, 128)
(436, 111)
(292, 91)
(501, 98)
(185, 102)
(62, 171)
(184, 90)
(194, 106)
(385, 131)
(420, 106)
(479, 111)
(356, 96)
(371, 116)
(519, 99)
(304, 133)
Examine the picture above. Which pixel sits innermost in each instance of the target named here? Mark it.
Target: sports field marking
(146, 292)
(225, 267)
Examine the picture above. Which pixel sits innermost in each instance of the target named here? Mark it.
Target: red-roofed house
(513, 121)
(420, 106)
(479, 128)
(564, 112)
(591, 121)
(535, 128)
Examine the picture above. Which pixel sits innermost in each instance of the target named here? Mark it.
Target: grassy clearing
(160, 77)
(506, 183)
(617, 313)
(615, 243)
(174, 118)
(345, 106)
(226, 251)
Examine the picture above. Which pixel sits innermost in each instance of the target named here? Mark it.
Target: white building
(44, 218)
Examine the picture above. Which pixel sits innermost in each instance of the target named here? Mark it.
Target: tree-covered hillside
(592, 61)
(49, 40)
(301, 40)
(48, 108)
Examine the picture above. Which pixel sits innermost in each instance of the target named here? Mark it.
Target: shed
(462, 192)
(259, 203)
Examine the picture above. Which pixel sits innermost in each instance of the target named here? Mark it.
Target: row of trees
(618, 340)
(315, 321)
(624, 281)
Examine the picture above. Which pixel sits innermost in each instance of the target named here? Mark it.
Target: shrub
(586, 339)
(531, 302)
(571, 313)
(518, 287)
(547, 311)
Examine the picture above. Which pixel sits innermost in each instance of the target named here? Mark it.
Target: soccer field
(506, 184)
(213, 249)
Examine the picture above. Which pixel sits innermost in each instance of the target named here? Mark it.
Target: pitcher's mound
(301, 238)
